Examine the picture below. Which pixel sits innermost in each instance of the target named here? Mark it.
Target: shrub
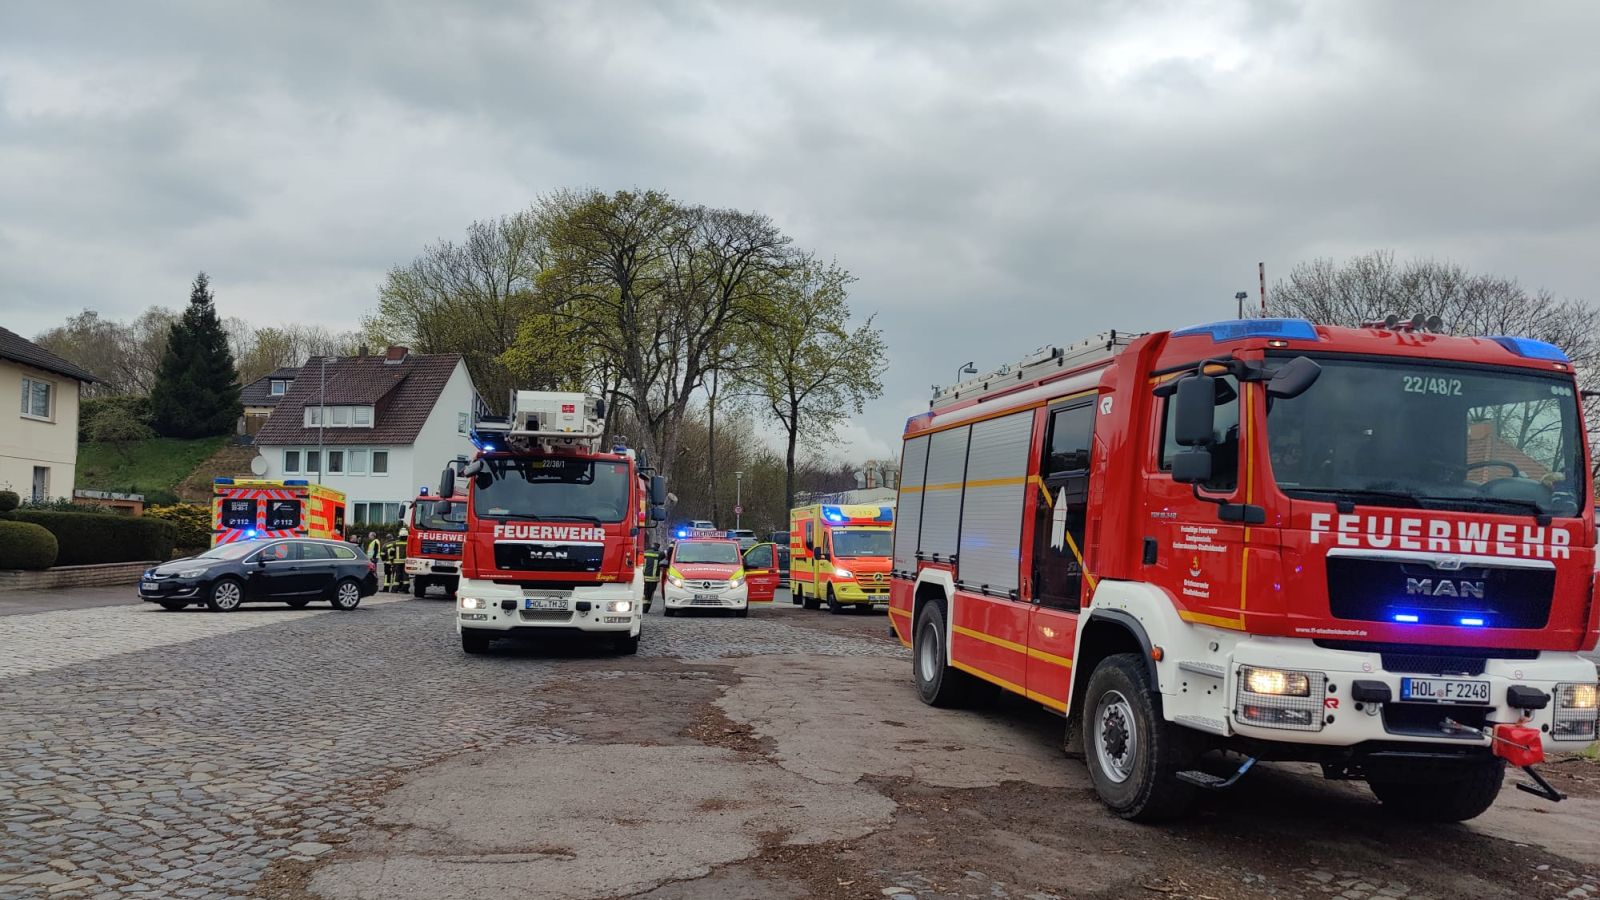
(104, 412)
(88, 538)
(9, 501)
(26, 546)
(63, 504)
(192, 521)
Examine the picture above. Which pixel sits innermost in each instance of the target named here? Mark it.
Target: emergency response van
(245, 509)
(839, 555)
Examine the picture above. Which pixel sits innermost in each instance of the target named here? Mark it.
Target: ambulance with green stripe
(839, 554)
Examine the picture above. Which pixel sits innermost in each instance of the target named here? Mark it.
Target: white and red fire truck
(555, 525)
(1371, 548)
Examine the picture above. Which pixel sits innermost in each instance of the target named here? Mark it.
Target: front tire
(834, 606)
(226, 595)
(1426, 798)
(743, 612)
(346, 595)
(173, 605)
(938, 684)
(474, 642)
(419, 588)
(627, 646)
(669, 612)
(1134, 755)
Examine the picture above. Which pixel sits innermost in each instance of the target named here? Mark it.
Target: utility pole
(738, 499)
(1261, 272)
(322, 413)
(1240, 298)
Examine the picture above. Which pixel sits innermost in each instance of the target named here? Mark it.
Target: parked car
(780, 539)
(744, 536)
(295, 571)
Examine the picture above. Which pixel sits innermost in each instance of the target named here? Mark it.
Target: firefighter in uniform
(394, 551)
(652, 573)
(373, 548)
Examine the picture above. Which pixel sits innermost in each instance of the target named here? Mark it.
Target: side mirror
(1294, 377)
(658, 514)
(447, 482)
(261, 562)
(1194, 422)
(1192, 466)
(441, 508)
(658, 490)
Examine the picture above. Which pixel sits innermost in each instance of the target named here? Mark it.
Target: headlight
(735, 581)
(843, 573)
(1276, 682)
(619, 606)
(1576, 696)
(192, 573)
(674, 579)
(473, 603)
(1576, 715)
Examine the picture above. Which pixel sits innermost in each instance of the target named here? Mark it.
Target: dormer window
(339, 416)
(278, 386)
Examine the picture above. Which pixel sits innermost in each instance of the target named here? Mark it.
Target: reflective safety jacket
(394, 551)
(652, 565)
(374, 550)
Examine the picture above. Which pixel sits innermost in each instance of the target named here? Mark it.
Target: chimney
(362, 351)
(396, 355)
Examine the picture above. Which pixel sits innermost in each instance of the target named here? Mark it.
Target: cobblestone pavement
(154, 754)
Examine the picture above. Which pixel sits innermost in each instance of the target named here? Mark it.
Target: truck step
(1210, 782)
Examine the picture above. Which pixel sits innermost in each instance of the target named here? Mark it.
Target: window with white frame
(37, 397)
(374, 513)
(335, 462)
(463, 422)
(291, 462)
(338, 416)
(380, 462)
(277, 386)
(314, 461)
(355, 462)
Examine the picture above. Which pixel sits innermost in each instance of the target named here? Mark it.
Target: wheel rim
(1116, 736)
(928, 661)
(226, 595)
(348, 594)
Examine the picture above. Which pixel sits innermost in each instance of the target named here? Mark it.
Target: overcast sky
(998, 180)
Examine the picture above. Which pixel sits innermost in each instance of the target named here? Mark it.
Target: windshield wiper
(1528, 506)
(1366, 495)
(574, 518)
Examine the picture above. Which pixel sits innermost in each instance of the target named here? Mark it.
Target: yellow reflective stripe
(1050, 658)
(1208, 619)
(897, 611)
(1051, 702)
(989, 639)
(1014, 688)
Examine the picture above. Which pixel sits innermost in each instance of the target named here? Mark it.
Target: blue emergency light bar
(1239, 329)
(296, 482)
(222, 481)
(1528, 348)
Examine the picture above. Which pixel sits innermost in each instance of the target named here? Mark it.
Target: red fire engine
(433, 541)
(1371, 548)
(555, 526)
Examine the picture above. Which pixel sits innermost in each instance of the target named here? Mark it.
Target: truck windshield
(862, 542)
(454, 520)
(552, 488)
(1430, 436)
(719, 552)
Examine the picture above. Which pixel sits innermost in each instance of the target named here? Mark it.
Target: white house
(377, 428)
(39, 437)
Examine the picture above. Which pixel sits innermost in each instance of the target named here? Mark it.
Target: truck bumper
(855, 592)
(1337, 709)
(429, 566)
(612, 609)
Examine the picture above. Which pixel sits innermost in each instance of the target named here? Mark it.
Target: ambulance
(840, 555)
(244, 509)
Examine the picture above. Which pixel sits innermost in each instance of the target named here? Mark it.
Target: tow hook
(1211, 782)
(1519, 745)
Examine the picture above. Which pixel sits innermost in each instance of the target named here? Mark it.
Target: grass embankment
(158, 464)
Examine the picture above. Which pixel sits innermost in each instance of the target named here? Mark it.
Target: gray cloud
(998, 175)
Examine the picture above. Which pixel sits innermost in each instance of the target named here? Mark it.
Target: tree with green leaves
(196, 393)
(809, 366)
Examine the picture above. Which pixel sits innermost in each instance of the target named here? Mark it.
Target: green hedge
(193, 523)
(26, 546)
(9, 501)
(89, 538)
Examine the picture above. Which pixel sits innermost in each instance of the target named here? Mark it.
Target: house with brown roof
(376, 427)
(260, 397)
(39, 438)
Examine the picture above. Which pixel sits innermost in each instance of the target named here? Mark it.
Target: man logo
(1444, 587)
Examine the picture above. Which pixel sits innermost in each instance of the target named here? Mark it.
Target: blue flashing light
(1239, 329)
(1471, 621)
(488, 448)
(1407, 617)
(683, 532)
(1528, 348)
(832, 514)
(296, 482)
(251, 533)
(222, 481)
(422, 491)
(885, 514)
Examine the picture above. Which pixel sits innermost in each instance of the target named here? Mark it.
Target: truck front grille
(1386, 590)
(545, 616)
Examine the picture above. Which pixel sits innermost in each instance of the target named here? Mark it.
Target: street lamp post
(1240, 297)
(966, 369)
(738, 499)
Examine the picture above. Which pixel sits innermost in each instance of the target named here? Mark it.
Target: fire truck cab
(555, 526)
(1371, 548)
(438, 528)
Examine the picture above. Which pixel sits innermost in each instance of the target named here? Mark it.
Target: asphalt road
(298, 754)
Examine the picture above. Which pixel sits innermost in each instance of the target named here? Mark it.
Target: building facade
(39, 440)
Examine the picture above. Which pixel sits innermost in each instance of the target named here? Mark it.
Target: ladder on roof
(1042, 361)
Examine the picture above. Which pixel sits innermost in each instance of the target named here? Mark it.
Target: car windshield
(551, 488)
(454, 520)
(720, 552)
(236, 550)
(862, 542)
(1430, 436)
